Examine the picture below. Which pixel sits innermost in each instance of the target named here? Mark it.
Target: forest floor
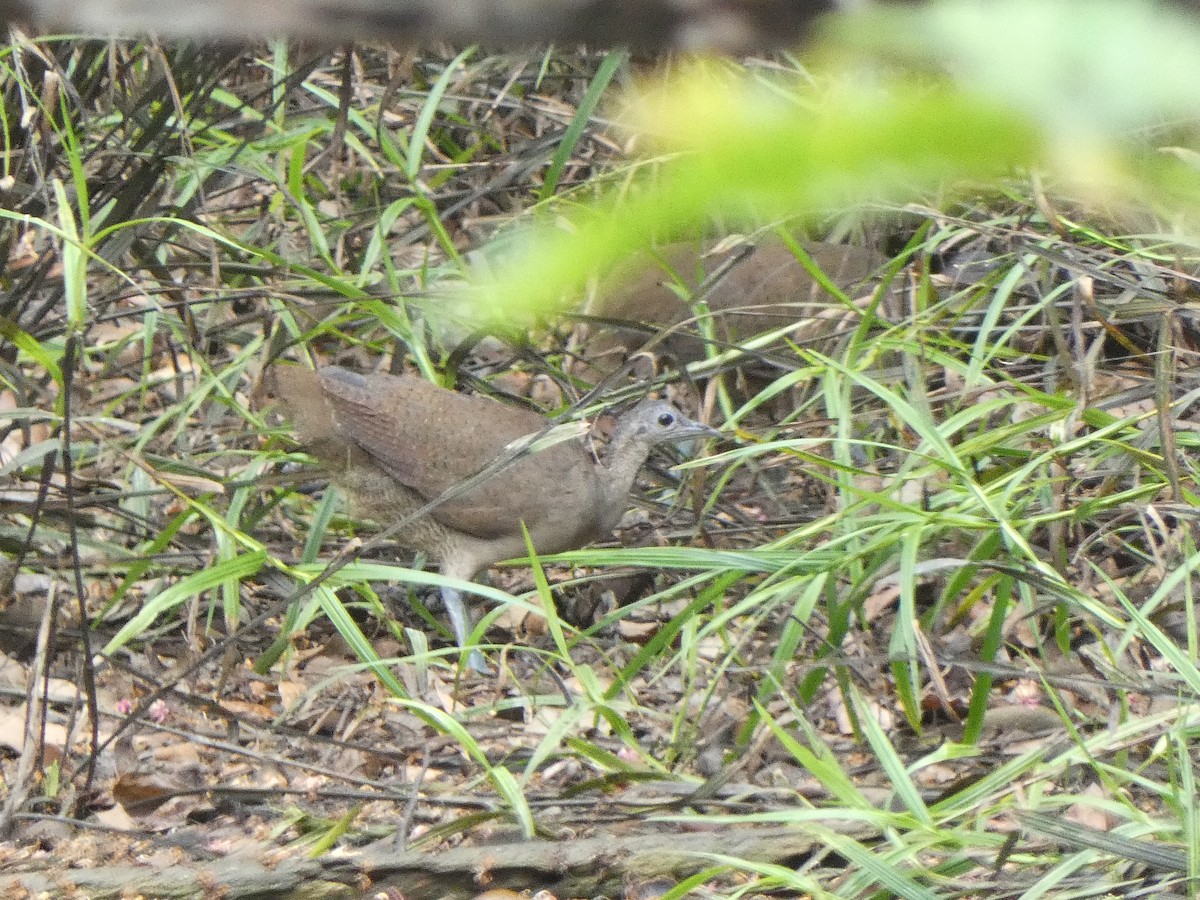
(921, 624)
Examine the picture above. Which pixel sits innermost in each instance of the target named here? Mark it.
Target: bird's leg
(459, 622)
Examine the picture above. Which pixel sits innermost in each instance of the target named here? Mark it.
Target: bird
(393, 443)
(766, 288)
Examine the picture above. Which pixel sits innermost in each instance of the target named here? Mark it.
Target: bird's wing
(430, 439)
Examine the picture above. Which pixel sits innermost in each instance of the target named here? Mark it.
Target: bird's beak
(693, 429)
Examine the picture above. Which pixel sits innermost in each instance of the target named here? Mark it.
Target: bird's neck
(625, 457)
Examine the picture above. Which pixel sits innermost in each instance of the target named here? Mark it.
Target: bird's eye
(666, 420)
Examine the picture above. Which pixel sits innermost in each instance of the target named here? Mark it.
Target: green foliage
(912, 100)
(987, 492)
